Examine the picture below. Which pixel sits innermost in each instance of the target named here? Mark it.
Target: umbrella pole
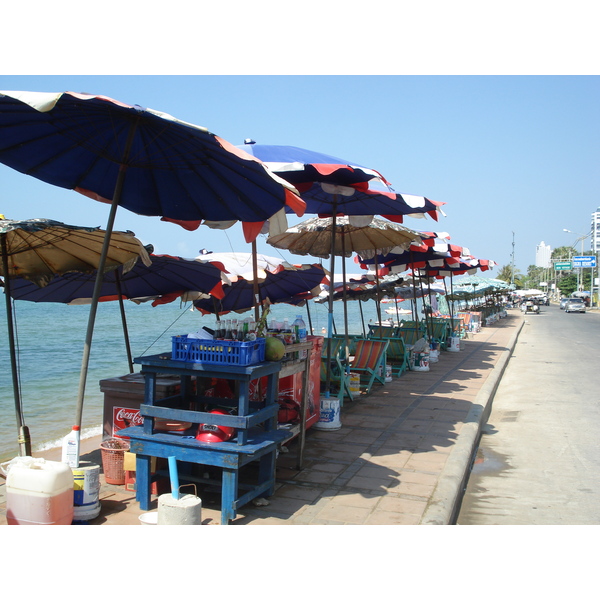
(362, 317)
(331, 289)
(309, 319)
(446, 290)
(427, 321)
(124, 321)
(216, 309)
(255, 282)
(24, 439)
(414, 300)
(452, 305)
(379, 303)
(99, 278)
(345, 301)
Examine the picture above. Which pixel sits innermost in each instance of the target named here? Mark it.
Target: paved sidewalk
(401, 457)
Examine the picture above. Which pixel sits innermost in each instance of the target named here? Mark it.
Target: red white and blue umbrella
(278, 281)
(332, 187)
(147, 161)
(141, 159)
(163, 281)
(167, 278)
(335, 186)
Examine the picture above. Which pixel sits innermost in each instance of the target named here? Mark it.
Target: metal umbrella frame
(142, 159)
(36, 249)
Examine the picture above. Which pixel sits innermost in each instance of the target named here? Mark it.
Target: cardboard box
(129, 462)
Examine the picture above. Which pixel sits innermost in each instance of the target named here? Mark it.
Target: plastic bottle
(299, 327)
(286, 331)
(70, 448)
(243, 331)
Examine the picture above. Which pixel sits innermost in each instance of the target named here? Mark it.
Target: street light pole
(580, 271)
(512, 264)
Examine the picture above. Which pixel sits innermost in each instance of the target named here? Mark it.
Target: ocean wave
(86, 433)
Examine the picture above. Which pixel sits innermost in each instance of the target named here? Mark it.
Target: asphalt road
(538, 461)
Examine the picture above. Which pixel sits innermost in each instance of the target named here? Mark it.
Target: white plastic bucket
(38, 492)
(329, 418)
(86, 491)
(453, 343)
(420, 361)
(86, 483)
(388, 373)
(434, 356)
(149, 518)
(355, 384)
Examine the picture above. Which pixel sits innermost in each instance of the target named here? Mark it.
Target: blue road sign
(584, 261)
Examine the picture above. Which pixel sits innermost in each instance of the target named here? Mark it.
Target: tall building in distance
(543, 256)
(595, 232)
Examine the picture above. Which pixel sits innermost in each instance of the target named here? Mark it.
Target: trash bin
(113, 453)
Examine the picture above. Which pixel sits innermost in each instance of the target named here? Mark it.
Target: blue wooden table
(256, 435)
(261, 446)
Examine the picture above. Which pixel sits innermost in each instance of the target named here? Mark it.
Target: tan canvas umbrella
(341, 236)
(39, 249)
(367, 235)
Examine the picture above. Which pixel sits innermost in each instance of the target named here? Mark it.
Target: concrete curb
(444, 504)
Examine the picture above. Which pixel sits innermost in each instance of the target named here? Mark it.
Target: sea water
(50, 339)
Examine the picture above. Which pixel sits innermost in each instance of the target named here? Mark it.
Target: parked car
(563, 301)
(575, 305)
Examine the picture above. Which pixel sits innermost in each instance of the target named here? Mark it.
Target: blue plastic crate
(218, 352)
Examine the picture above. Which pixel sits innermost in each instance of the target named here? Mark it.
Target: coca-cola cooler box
(123, 396)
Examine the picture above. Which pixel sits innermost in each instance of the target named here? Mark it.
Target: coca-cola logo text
(126, 417)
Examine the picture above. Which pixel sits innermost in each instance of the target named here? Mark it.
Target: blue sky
(497, 116)
(507, 154)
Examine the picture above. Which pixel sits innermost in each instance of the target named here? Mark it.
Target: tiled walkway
(398, 459)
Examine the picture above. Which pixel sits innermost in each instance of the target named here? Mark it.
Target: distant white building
(543, 256)
(595, 232)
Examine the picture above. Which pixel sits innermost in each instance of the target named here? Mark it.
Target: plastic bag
(420, 345)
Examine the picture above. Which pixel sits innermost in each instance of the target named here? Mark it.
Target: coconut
(274, 348)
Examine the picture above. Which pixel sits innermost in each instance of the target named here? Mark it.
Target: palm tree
(509, 275)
